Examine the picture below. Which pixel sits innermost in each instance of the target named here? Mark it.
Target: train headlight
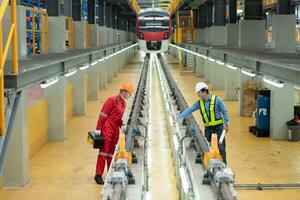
(166, 36)
(141, 35)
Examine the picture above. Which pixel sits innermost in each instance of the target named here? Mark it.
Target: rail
(13, 41)
(38, 31)
(188, 155)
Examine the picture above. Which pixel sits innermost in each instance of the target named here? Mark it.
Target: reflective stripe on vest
(211, 119)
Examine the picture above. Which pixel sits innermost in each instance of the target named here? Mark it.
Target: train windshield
(154, 22)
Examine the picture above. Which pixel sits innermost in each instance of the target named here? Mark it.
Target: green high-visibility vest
(211, 120)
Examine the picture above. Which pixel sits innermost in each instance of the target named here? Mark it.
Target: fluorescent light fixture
(94, 63)
(220, 62)
(184, 180)
(230, 66)
(203, 56)
(251, 74)
(70, 72)
(186, 50)
(171, 120)
(175, 142)
(84, 67)
(49, 82)
(297, 87)
(273, 82)
(211, 59)
(148, 196)
(168, 106)
(101, 59)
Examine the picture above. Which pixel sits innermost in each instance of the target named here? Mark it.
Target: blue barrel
(263, 110)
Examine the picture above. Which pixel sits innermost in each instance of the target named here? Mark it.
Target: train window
(152, 23)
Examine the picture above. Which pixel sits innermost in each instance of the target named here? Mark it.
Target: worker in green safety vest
(213, 112)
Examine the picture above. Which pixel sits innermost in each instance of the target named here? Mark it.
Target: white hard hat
(200, 86)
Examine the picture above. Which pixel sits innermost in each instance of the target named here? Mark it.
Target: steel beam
(52, 8)
(91, 11)
(219, 12)
(253, 9)
(76, 10)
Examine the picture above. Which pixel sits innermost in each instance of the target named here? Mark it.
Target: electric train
(153, 29)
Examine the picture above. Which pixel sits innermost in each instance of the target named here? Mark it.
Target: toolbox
(96, 139)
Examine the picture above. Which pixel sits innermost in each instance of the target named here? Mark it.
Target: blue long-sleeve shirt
(220, 109)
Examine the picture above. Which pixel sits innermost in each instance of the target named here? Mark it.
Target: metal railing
(269, 2)
(70, 32)
(38, 31)
(13, 41)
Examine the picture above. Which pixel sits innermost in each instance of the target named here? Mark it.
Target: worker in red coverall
(109, 123)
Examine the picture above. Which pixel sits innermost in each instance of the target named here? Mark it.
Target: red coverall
(109, 123)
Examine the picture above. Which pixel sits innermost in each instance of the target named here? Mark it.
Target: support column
(218, 32)
(209, 7)
(115, 65)
(283, 28)
(252, 29)
(200, 67)
(202, 23)
(93, 82)
(79, 35)
(57, 114)
(101, 12)
(232, 26)
(217, 79)
(91, 11)
(110, 70)
(102, 71)
(57, 27)
(52, 8)
(16, 166)
(79, 93)
(68, 8)
(207, 69)
(93, 27)
(278, 129)
(76, 11)
(232, 84)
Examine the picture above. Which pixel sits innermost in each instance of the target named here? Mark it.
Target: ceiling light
(251, 74)
(231, 66)
(273, 82)
(70, 72)
(49, 82)
(84, 67)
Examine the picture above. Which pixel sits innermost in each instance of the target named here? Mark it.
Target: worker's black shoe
(99, 179)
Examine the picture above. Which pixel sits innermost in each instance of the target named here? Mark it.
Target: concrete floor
(65, 170)
(162, 180)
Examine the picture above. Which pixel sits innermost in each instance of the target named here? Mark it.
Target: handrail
(70, 31)
(42, 32)
(13, 41)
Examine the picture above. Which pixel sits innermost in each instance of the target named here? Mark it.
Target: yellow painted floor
(65, 170)
(254, 160)
(162, 180)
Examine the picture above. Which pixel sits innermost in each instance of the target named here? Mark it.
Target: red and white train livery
(154, 30)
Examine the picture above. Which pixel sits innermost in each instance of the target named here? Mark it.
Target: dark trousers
(218, 130)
